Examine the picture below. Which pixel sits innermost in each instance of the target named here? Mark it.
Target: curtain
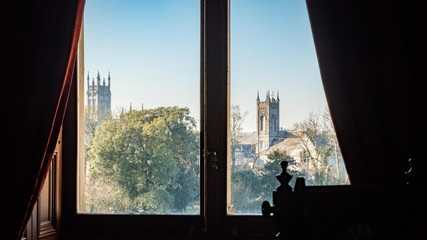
(40, 44)
(372, 59)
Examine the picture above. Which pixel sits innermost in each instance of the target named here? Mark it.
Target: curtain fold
(371, 57)
(41, 46)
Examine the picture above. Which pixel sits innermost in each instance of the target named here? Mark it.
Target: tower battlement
(99, 97)
(268, 120)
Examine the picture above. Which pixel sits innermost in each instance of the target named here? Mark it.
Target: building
(99, 98)
(256, 145)
(371, 60)
(268, 120)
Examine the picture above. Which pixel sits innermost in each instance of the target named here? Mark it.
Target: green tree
(152, 155)
(272, 168)
(246, 189)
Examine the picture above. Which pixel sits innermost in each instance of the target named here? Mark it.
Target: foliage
(152, 155)
(322, 162)
(272, 169)
(90, 125)
(246, 191)
(147, 161)
(236, 121)
(105, 196)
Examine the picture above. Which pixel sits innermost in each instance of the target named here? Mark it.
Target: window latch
(212, 158)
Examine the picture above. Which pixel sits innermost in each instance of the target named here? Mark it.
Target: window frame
(214, 111)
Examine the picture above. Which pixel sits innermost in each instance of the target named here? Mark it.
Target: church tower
(99, 98)
(268, 119)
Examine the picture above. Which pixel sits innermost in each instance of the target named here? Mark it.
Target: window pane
(139, 151)
(278, 108)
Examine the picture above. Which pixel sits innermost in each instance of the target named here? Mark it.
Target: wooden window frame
(214, 109)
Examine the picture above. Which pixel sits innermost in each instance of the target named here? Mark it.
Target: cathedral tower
(268, 119)
(99, 98)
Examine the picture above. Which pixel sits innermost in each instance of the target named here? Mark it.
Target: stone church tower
(268, 119)
(99, 98)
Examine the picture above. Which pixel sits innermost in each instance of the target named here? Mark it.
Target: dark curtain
(373, 60)
(40, 44)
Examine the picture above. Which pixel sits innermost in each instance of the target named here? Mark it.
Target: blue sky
(152, 50)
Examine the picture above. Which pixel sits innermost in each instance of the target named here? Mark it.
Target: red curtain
(40, 41)
(372, 58)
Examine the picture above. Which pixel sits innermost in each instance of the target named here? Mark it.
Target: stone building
(99, 98)
(268, 121)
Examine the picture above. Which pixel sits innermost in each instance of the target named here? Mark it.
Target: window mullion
(216, 75)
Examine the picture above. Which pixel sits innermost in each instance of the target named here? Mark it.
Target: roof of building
(249, 138)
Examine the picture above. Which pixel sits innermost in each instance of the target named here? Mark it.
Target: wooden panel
(44, 221)
(47, 204)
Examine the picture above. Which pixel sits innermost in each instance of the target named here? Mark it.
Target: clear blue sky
(152, 50)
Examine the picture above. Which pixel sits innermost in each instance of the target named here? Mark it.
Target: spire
(88, 79)
(257, 95)
(130, 107)
(277, 95)
(103, 81)
(98, 79)
(109, 78)
(142, 106)
(268, 94)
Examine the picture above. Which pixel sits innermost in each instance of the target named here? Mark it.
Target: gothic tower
(268, 119)
(99, 98)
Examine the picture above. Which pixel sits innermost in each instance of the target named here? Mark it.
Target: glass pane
(139, 153)
(278, 107)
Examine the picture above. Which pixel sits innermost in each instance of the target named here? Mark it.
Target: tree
(272, 168)
(236, 121)
(90, 125)
(152, 155)
(246, 189)
(245, 182)
(319, 146)
(340, 172)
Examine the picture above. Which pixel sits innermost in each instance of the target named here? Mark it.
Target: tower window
(262, 123)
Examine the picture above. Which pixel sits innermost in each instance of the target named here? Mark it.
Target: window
(272, 52)
(262, 123)
(141, 108)
(186, 99)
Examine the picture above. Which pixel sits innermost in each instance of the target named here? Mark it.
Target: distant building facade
(253, 148)
(99, 98)
(268, 121)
